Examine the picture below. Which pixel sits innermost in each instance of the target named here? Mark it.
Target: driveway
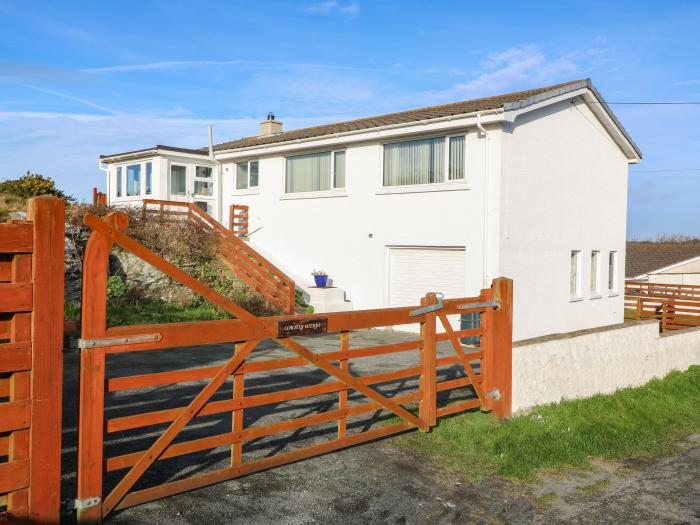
(376, 482)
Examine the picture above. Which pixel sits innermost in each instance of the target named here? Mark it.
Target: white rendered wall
(348, 234)
(577, 366)
(563, 188)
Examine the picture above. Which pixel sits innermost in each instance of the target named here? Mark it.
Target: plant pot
(321, 280)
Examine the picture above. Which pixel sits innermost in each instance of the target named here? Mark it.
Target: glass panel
(203, 188)
(241, 175)
(203, 172)
(178, 180)
(133, 179)
(119, 181)
(414, 162)
(339, 169)
(310, 172)
(253, 174)
(149, 178)
(203, 205)
(594, 272)
(468, 322)
(456, 158)
(573, 284)
(611, 270)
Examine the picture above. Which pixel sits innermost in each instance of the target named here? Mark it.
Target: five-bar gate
(484, 378)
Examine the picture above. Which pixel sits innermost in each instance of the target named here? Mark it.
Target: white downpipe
(485, 261)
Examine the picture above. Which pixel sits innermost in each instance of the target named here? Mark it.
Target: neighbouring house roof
(154, 150)
(646, 257)
(506, 102)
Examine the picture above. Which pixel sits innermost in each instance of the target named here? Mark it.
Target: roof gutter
(388, 127)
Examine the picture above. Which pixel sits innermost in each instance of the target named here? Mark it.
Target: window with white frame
(149, 178)
(203, 183)
(322, 171)
(612, 272)
(133, 180)
(595, 273)
(119, 181)
(178, 179)
(575, 277)
(425, 161)
(247, 174)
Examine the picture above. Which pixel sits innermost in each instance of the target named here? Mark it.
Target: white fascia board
(379, 134)
(117, 159)
(675, 265)
(596, 107)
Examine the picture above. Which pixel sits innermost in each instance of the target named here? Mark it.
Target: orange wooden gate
(491, 386)
(31, 362)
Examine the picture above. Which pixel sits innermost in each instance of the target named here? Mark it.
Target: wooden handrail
(254, 269)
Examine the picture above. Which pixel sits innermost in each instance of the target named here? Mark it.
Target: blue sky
(78, 79)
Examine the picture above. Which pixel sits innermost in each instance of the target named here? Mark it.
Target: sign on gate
(292, 327)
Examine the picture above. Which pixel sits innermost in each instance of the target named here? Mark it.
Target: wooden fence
(675, 306)
(31, 362)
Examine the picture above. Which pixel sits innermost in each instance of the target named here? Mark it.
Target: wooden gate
(31, 362)
(489, 389)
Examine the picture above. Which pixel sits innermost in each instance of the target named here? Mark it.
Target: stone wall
(581, 364)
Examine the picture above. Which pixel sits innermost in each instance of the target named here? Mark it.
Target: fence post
(427, 411)
(498, 354)
(47, 214)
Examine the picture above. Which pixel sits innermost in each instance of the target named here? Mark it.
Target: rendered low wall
(581, 364)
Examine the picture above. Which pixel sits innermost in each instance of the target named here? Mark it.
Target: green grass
(643, 421)
(154, 312)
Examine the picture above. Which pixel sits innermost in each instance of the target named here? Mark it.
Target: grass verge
(642, 421)
(154, 312)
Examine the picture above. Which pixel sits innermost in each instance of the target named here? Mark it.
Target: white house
(529, 185)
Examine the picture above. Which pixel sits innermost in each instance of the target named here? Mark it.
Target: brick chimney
(270, 126)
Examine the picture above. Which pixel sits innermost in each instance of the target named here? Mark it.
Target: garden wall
(581, 364)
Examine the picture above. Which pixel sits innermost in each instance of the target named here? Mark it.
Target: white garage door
(415, 271)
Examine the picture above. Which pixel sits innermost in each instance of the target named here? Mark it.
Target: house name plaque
(291, 327)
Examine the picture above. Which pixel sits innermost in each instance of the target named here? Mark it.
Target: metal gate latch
(486, 304)
(430, 307)
(494, 394)
(86, 503)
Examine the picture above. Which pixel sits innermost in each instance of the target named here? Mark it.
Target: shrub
(116, 287)
(32, 185)
(70, 311)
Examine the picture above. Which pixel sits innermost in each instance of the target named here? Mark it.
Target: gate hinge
(430, 308)
(85, 503)
(485, 304)
(131, 340)
(494, 394)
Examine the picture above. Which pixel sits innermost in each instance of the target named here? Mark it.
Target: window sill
(596, 296)
(313, 195)
(613, 294)
(423, 188)
(575, 299)
(255, 191)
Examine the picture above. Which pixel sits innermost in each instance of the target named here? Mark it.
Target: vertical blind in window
(456, 169)
(253, 173)
(414, 162)
(612, 259)
(594, 272)
(133, 179)
(241, 175)
(339, 169)
(310, 172)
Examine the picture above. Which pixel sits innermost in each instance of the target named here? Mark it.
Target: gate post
(47, 214)
(427, 412)
(498, 349)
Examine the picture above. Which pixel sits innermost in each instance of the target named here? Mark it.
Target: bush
(116, 287)
(70, 311)
(32, 185)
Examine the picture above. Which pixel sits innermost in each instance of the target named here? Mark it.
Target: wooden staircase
(256, 271)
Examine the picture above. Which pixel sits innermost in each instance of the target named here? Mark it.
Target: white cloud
(520, 67)
(332, 7)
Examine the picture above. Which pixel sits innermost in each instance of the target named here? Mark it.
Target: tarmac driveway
(377, 482)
